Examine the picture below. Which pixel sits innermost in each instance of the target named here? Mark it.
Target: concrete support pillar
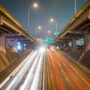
(87, 41)
(15, 43)
(24, 45)
(60, 46)
(67, 46)
(9, 42)
(66, 43)
(63, 45)
(2, 40)
(74, 44)
(28, 44)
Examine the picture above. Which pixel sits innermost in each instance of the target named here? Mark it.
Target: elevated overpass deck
(9, 26)
(13, 39)
(75, 36)
(79, 23)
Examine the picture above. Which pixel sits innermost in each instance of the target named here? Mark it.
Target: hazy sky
(61, 10)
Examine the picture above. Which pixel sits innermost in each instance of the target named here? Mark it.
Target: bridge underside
(75, 37)
(14, 40)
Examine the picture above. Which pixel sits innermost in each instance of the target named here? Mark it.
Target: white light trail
(42, 49)
(14, 72)
(36, 79)
(30, 75)
(21, 72)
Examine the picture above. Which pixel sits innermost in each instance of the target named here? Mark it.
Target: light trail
(35, 83)
(15, 71)
(64, 73)
(81, 77)
(48, 75)
(56, 72)
(78, 84)
(51, 73)
(20, 73)
(29, 76)
(61, 75)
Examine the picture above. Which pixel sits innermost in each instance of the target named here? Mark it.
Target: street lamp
(35, 6)
(38, 28)
(49, 32)
(75, 6)
(52, 20)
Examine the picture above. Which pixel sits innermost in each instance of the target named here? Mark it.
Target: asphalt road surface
(46, 69)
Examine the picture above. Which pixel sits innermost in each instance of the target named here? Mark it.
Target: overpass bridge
(49, 69)
(14, 40)
(11, 30)
(75, 36)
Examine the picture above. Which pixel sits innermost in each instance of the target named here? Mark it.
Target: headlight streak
(21, 72)
(36, 79)
(42, 49)
(29, 76)
(15, 71)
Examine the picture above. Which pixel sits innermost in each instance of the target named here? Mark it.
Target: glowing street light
(49, 32)
(35, 6)
(52, 20)
(39, 27)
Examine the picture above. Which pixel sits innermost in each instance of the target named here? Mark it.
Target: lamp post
(35, 6)
(75, 6)
(52, 20)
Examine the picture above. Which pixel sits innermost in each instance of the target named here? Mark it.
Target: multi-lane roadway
(46, 69)
(64, 74)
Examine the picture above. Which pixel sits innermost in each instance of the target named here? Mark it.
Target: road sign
(49, 41)
(57, 33)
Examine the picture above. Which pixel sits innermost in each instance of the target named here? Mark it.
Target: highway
(64, 74)
(28, 76)
(46, 69)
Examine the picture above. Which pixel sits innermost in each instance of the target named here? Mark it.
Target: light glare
(39, 27)
(42, 49)
(35, 5)
(51, 20)
(49, 31)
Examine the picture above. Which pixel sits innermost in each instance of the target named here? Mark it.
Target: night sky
(61, 10)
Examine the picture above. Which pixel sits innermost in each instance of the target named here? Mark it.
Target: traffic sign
(49, 41)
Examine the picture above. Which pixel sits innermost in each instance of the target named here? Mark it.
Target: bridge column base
(74, 44)
(2, 40)
(87, 41)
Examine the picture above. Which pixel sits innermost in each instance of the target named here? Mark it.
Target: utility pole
(75, 8)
